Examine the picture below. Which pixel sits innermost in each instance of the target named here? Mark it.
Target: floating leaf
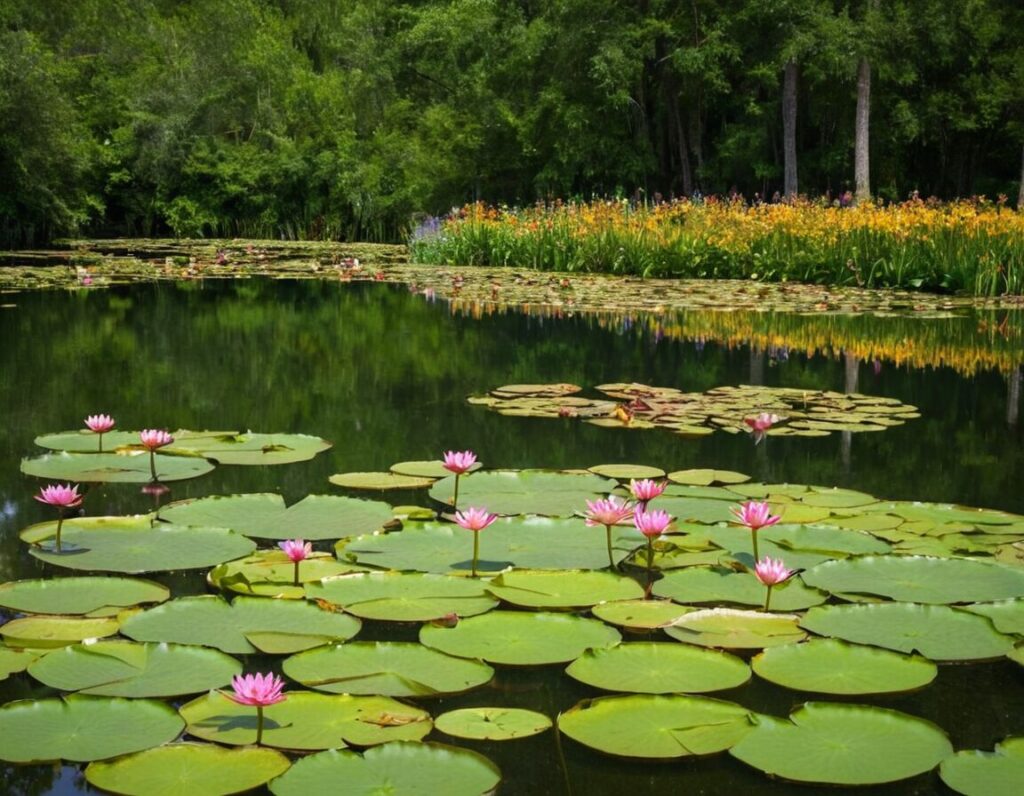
(131, 467)
(717, 585)
(307, 721)
(624, 472)
(244, 626)
(248, 448)
(562, 588)
(79, 595)
(704, 477)
(729, 629)
(270, 573)
(82, 728)
(379, 481)
(188, 769)
(520, 639)
(85, 441)
(403, 597)
(640, 614)
(398, 669)
(13, 661)
(535, 390)
(656, 727)
(829, 666)
(976, 773)
(550, 493)
(265, 516)
(47, 632)
(1007, 615)
(843, 745)
(399, 768)
(935, 631)
(492, 724)
(659, 668)
(428, 469)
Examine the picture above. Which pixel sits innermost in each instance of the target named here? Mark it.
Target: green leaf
(128, 468)
(403, 596)
(427, 469)
(270, 573)
(640, 614)
(976, 773)
(562, 588)
(705, 477)
(492, 724)
(730, 629)
(47, 632)
(13, 661)
(624, 472)
(1007, 615)
(80, 595)
(248, 448)
(379, 481)
(545, 492)
(717, 585)
(659, 668)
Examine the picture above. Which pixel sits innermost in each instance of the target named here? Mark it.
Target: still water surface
(384, 373)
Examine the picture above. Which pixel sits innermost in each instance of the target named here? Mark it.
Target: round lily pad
(640, 614)
(705, 477)
(976, 773)
(131, 467)
(403, 596)
(718, 585)
(126, 669)
(492, 724)
(659, 668)
(85, 441)
(82, 728)
(307, 721)
(545, 492)
(843, 745)
(13, 661)
(400, 768)
(247, 625)
(536, 390)
(562, 588)
(937, 632)
(47, 632)
(248, 448)
(520, 639)
(265, 516)
(379, 481)
(270, 573)
(187, 769)
(624, 472)
(730, 629)
(1006, 615)
(397, 669)
(920, 579)
(79, 595)
(830, 666)
(427, 469)
(656, 727)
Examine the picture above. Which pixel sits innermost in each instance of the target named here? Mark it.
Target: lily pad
(379, 481)
(718, 585)
(521, 639)
(307, 721)
(843, 745)
(188, 769)
(656, 727)
(85, 441)
(937, 632)
(640, 614)
(126, 669)
(427, 469)
(79, 595)
(265, 516)
(624, 472)
(562, 588)
(1006, 615)
(659, 668)
(403, 596)
(730, 629)
(82, 728)
(48, 632)
(492, 724)
(550, 493)
(401, 768)
(705, 477)
(248, 448)
(13, 661)
(976, 773)
(245, 626)
(830, 666)
(119, 468)
(397, 669)
(270, 573)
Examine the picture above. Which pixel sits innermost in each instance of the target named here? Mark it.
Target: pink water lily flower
(607, 511)
(647, 489)
(258, 690)
(296, 550)
(459, 462)
(771, 571)
(153, 438)
(65, 497)
(760, 424)
(99, 424)
(473, 519)
(651, 523)
(755, 515)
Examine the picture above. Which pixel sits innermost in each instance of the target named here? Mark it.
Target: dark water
(384, 374)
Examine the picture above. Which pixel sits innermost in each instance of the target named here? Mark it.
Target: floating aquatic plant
(62, 498)
(458, 463)
(608, 512)
(297, 551)
(475, 520)
(259, 691)
(99, 425)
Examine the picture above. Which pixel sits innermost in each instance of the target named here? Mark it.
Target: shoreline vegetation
(972, 247)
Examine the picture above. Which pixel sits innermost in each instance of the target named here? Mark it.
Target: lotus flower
(760, 424)
(474, 520)
(607, 512)
(100, 425)
(651, 524)
(755, 516)
(458, 462)
(258, 690)
(646, 490)
(152, 439)
(63, 498)
(296, 551)
(771, 572)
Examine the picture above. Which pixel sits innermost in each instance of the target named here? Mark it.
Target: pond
(384, 373)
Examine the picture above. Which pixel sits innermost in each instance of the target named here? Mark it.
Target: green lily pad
(656, 727)
(82, 728)
(244, 626)
(554, 494)
(126, 669)
(307, 721)
(640, 614)
(188, 769)
(717, 585)
(248, 448)
(702, 510)
(403, 596)
(939, 514)
(843, 745)
(920, 579)
(705, 477)
(127, 468)
(48, 632)
(492, 724)
(520, 639)
(427, 469)
(399, 768)
(562, 588)
(265, 516)
(379, 481)
(938, 632)
(1006, 615)
(659, 668)
(130, 545)
(838, 499)
(737, 541)
(397, 669)
(524, 542)
(85, 441)
(270, 573)
(830, 666)
(624, 472)
(977, 773)
(1017, 654)
(13, 661)
(79, 595)
(822, 539)
(730, 629)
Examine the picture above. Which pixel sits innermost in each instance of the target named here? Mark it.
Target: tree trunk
(679, 130)
(790, 75)
(861, 153)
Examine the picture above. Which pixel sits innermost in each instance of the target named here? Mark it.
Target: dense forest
(347, 118)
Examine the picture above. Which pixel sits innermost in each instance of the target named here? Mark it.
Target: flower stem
(768, 599)
(611, 558)
(60, 522)
(650, 558)
(296, 573)
(259, 724)
(152, 465)
(101, 443)
(455, 498)
(476, 550)
(753, 536)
